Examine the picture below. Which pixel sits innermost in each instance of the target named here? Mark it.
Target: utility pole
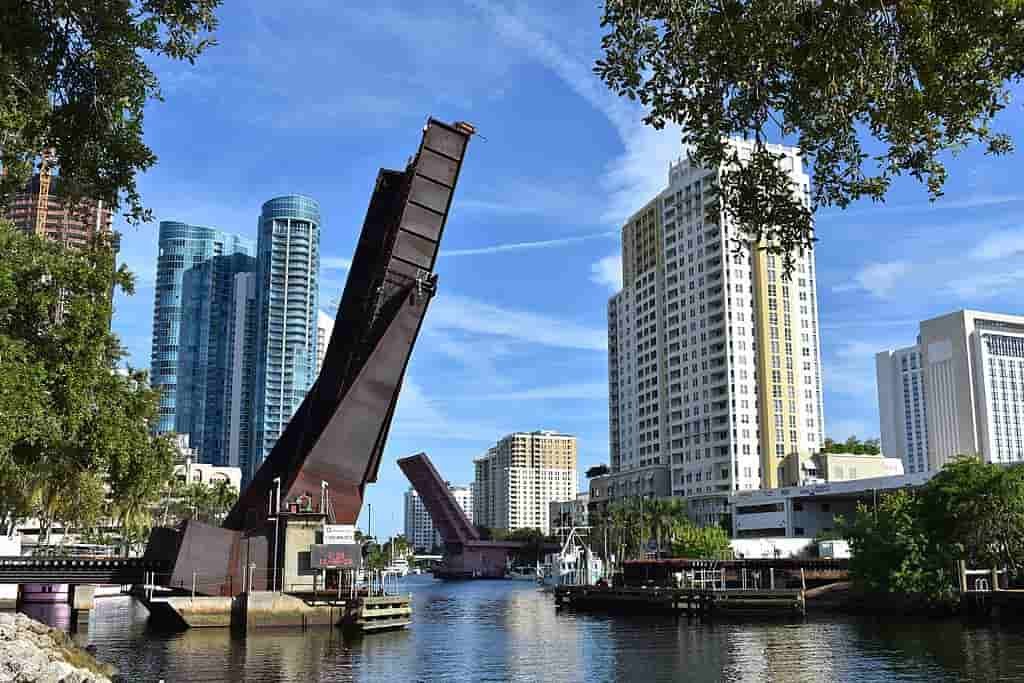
(640, 548)
(277, 517)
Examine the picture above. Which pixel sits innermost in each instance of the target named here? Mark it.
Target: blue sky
(313, 97)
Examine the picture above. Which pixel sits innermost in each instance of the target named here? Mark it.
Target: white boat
(575, 565)
(523, 573)
(399, 565)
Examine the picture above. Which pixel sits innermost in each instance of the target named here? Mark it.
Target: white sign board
(339, 534)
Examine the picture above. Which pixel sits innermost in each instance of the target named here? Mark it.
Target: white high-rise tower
(714, 360)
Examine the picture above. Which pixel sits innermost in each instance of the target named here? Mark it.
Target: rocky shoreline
(31, 651)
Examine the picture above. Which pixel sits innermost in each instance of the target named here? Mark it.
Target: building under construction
(41, 209)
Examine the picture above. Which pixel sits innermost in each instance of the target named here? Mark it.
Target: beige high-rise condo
(518, 478)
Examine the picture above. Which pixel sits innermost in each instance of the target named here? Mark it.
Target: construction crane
(43, 201)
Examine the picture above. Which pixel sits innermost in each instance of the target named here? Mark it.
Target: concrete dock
(269, 609)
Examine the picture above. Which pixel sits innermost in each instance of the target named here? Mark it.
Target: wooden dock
(378, 613)
(690, 601)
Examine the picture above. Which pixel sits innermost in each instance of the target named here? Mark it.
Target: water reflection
(477, 631)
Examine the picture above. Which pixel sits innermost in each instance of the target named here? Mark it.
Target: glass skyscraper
(204, 363)
(240, 391)
(196, 267)
(288, 300)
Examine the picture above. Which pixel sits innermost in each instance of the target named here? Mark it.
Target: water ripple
(509, 631)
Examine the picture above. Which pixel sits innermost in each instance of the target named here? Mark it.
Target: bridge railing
(221, 585)
(336, 584)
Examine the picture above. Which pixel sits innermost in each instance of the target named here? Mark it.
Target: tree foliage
(892, 552)
(490, 534)
(204, 502)
(852, 445)
(533, 541)
(917, 78)
(977, 511)
(397, 546)
(75, 77)
(704, 543)
(628, 526)
(74, 434)
(910, 544)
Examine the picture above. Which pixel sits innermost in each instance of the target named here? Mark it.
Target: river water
(510, 631)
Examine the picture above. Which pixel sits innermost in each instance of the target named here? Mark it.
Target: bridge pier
(58, 605)
(82, 599)
(8, 596)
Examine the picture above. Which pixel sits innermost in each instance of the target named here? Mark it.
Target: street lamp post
(277, 517)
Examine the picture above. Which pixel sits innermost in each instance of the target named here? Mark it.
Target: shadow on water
(510, 631)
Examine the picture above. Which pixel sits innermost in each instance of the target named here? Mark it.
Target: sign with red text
(335, 556)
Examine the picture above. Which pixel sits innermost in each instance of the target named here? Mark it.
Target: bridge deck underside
(449, 519)
(71, 570)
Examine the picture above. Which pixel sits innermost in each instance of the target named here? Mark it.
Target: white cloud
(425, 65)
(853, 379)
(976, 201)
(987, 285)
(850, 367)
(478, 356)
(420, 416)
(608, 272)
(1000, 245)
(641, 170)
(335, 263)
(585, 391)
(878, 279)
(551, 197)
(523, 246)
(454, 312)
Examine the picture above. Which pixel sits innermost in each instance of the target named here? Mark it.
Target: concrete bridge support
(82, 600)
(245, 612)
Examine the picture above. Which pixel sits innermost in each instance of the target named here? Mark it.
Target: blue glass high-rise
(288, 251)
(204, 365)
(194, 288)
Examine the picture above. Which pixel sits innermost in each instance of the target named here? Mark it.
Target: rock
(33, 652)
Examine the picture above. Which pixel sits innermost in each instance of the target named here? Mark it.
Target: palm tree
(222, 497)
(599, 531)
(661, 513)
(618, 516)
